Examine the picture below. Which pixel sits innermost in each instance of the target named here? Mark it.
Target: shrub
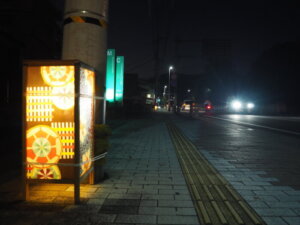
(102, 130)
(101, 133)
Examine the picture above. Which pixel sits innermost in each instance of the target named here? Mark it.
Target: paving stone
(248, 187)
(259, 204)
(119, 209)
(83, 189)
(292, 220)
(274, 220)
(180, 187)
(257, 183)
(186, 211)
(285, 198)
(173, 192)
(126, 186)
(145, 182)
(286, 189)
(148, 202)
(122, 202)
(183, 197)
(124, 196)
(262, 198)
(95, 201)
(170, 182)
(270, 179)
(297, 210)
(157, 211)
(81, 208)
(106, 185)
(275, 212)
(175, 203)
(160, 186)
(246, 192)
(102, 217)
(293, 204)
(99, 195)
(293, 193)
(187, 220)
(143, 191)
(119, 181)
(133, 219)
(272, 193)
(50, 187)
(236, 178)
(157, 197)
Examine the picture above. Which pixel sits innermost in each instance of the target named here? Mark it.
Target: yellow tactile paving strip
(215, 200)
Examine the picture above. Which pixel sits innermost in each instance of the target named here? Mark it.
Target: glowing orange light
(66, 132)
(43, 146)
(63, 97)
(39, 106)
(49, 173)
(57, 76)
(86, 157)
(50, 141)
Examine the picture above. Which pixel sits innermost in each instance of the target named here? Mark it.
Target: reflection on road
(289, 125)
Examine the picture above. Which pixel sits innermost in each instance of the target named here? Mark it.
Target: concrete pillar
(85, 34)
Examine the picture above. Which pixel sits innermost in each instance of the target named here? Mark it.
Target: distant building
(136, 94)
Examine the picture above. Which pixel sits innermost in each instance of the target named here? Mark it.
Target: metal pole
(169, 106)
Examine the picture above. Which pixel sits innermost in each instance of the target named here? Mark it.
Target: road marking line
(255, 125)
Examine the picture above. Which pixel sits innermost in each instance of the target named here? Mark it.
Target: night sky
(231, 48)
(236, 47)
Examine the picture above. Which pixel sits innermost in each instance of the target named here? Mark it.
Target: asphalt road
(283, 124)
(261, 143)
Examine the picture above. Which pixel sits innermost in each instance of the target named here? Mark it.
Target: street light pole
(170, 68)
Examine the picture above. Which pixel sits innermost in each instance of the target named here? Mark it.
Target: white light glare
(236, 105)
(250, 105)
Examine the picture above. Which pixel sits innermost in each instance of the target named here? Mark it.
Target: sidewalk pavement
(275, 201)
(145, 185)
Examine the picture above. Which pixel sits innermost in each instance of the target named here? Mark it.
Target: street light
(164, 93)
(170, 68)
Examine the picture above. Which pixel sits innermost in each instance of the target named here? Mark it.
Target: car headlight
(250, 105)
(236, 105)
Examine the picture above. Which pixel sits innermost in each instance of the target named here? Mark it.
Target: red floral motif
(45, 174)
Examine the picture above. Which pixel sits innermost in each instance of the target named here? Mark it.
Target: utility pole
(85, 39)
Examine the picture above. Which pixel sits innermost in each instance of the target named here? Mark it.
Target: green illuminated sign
(110, 75)
(119, 78)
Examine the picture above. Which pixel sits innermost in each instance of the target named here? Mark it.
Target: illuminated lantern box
(58, 120)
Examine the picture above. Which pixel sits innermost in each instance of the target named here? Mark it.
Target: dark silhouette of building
(29, 29)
